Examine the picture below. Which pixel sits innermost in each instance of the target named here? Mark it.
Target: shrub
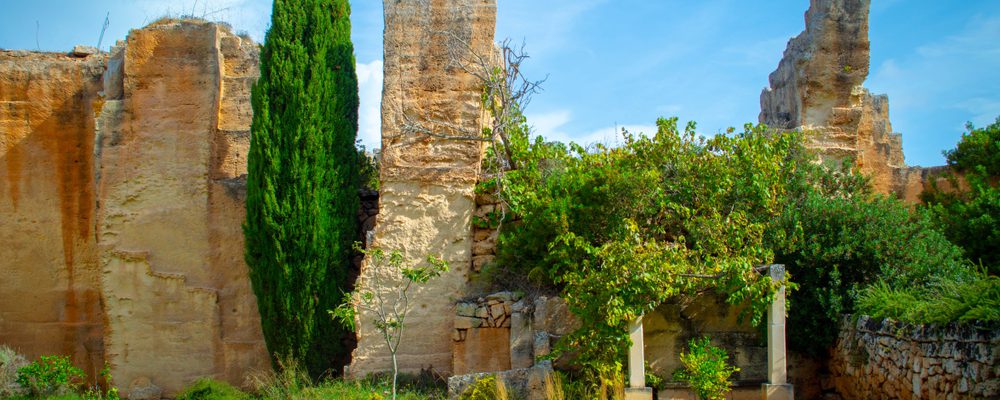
(706, 370)
(50, 375)
(976, 298)
(844, 244)
(620, 230)
(10, 362)
(286, 381)
(970, 216)
(209, 389)
(486, 388)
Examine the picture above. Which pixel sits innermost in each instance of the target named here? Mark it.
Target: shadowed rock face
(118, 206)
(817, 88)
(426, 198)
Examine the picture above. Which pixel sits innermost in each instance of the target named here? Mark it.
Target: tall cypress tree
(303, 177)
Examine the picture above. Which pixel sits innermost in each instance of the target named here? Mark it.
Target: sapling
(387, 297)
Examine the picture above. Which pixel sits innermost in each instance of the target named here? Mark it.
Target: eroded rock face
(817, 89)
(173, 147)
(426, 198)
(50, 301)
(121, 205)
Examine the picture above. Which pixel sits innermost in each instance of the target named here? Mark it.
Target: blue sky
(626, 62)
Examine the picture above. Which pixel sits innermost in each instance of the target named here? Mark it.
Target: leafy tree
(620, 230)
(970, 214)
(842, 245)
(390, 304)
(302, 181)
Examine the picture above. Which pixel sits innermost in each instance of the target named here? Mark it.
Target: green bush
(49, 376)
(970, 214)
(976, 298)
(620, 230)
(844, 244)
(10, 362)
(706, 370)
(486, 388)
(209, 389)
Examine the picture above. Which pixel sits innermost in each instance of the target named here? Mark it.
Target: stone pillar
(428, 176)
(777, 375)
(637, 389)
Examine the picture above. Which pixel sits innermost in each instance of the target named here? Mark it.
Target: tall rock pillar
(428, 176)
(817, 88)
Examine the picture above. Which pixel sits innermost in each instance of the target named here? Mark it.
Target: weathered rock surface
(889, 360)
(426, 198)
(50, 299)
(121, 206)
(521, 383)
(668, 329)
(817, 88)
(177, 295)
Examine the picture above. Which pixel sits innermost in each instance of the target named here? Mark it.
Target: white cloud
(370, 111)
(552, 126)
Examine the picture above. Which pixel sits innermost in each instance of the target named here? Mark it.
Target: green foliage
(970, 217)
(978, 147)
(843, 244)
(210, 389)
(706, 370)
(943, 301)
(303, 175)
(391, 302)
(95, 390)
(49, 376)
(285, 382)
(10, 362)
(620, 230)
(486, 388)
(368, 168)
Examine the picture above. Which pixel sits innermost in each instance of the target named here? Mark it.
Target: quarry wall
(122, 194)
(122, 205)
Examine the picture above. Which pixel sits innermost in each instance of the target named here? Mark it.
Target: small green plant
(706, 369)
(486, 388)
(10, 362)
(96, 391)
(209, 389)
(50, 375)
(389, 307)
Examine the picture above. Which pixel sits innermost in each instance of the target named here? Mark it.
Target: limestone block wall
(426, 199)
(50, 299)
(178, 301)
(884, 359)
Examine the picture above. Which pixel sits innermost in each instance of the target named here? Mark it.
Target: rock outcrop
(817, 89)
(173, 147)
(121, 204)
(426, 199)
(50, 300)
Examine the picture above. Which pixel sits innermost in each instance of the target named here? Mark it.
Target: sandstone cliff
(817, 88)
(426, 198)
(122, 202)
(50, 299)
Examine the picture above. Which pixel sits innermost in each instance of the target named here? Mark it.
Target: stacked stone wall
(884, 359)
